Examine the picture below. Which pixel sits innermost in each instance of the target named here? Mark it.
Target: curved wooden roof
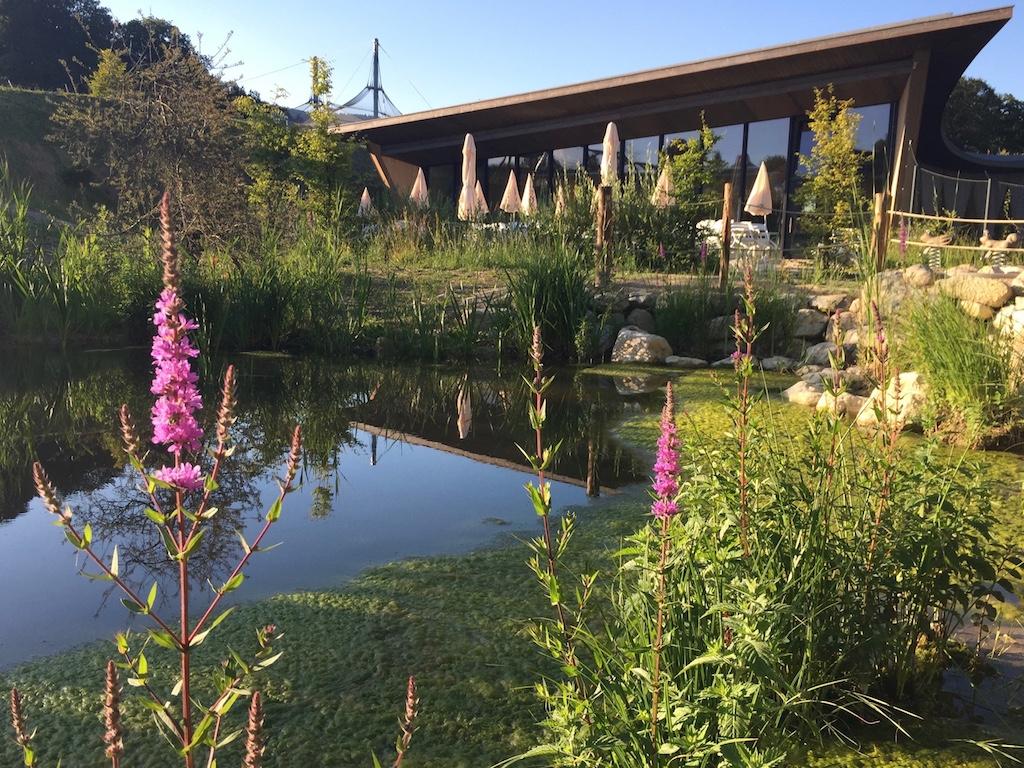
(869, 65)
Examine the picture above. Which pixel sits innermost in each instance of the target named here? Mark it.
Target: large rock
(643, 300)
(642, 319)
(633, 345)
(908, 409)
(725, 362)
(818, 354)
(977, 290)
(675, 361)
(962, 269)
(809, 324)
(918, 276)
(638, 385)
(847, 323)
(828, 302)
(890, 292)
(977, 311)
(803, 393)
(610, 301)
(845, 403)
(720, 328)
(778, 363)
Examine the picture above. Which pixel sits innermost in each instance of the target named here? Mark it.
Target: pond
(400, 461)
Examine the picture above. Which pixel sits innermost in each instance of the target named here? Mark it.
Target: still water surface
(400, 461)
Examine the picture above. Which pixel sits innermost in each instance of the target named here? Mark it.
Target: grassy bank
(457, 623)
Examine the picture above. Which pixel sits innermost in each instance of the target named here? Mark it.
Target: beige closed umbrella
(510, 200)
(365, 204)
(464, 411)
(559, 203)
(759, 203)
(467, 197)
(529, 206)
(419, 196)
(610, 156)
(664, 193)
(481, 201)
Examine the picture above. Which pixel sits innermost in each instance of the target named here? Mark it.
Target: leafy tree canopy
(979, 119)
(52, 44)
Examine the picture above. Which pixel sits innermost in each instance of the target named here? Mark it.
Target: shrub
(970, 370)
(783, 591)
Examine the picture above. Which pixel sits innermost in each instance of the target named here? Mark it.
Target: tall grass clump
(783, 592)
(969, 367)
(550, 288)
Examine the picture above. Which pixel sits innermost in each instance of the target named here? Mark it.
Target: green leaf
(191, 544)
(233, 583)
(275, 511)
(155, 516)
(87, 534)
(151, 597)
(245, 545)
(164, 639)
(169, 544)
(210, 485)
(142, 665)
(73, 538)
(114, 565)
(133, 607)
(268, 661)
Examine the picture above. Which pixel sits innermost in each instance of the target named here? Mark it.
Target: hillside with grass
(31, 157)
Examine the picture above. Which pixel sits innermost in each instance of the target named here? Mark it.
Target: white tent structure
(529, 206)
(510, 200)
(365, 204)
(759, 203)
(664, 193)
(610, 156)
(481, 201)
(467, 196)
(419, 196)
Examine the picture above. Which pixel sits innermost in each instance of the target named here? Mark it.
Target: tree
(979, 119)
(110, 77)
(52, 44)
(833, 177)
(146, 40)
(166, 125)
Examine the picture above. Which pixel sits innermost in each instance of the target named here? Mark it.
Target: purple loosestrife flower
(666, 466)
(174, 381)
(187, 477)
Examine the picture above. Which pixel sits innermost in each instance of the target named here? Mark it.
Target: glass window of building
(441, 182)
(671, 138)
(567, 161)
(642, 155)
(498, 169)
(727, 162)
(539, 165)
(592, 162)
(873, 142)
(768, 143)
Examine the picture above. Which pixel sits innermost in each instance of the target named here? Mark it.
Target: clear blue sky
(454, 52)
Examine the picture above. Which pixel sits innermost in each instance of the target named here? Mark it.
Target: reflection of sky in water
(449, 485)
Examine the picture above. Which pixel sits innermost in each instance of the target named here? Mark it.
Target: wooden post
(723, 261)
(603, 237)
(880, 230)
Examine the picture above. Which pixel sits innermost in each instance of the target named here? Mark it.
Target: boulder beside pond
(908, 407)
(633, 345)
(803, 393)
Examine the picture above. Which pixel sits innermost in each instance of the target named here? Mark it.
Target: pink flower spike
(174, 381)
(186, 477)
(666, 467)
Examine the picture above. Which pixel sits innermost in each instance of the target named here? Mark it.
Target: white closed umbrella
(759, 203)
(664, 193)
(559, 202)
(365, 204)
(419, 196)
(610, 156)
(529, 206)
(467, 197)
(481, 201)
(510, 201)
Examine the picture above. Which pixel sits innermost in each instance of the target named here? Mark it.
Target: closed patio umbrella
(464, 411)
(664, 192)
(559, 202)
(510, 201)
(467, 197)
(481, 201)
(760, 201)
(529, 206)
(610, 156)
(365, 204)
(418, 196)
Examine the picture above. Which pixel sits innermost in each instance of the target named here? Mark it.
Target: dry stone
(828, 302)
(810, 324)
(676, 361)
(818, 354)
(918, 276)
(803, 393)
(636, 346)
(909, 408)
(778, 363)
(845, 403)
(642, 319)
(978, 290)
(977, 311)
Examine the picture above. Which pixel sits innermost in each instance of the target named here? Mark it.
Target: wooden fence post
(723, 261)
(603, 236)
(880, 230)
